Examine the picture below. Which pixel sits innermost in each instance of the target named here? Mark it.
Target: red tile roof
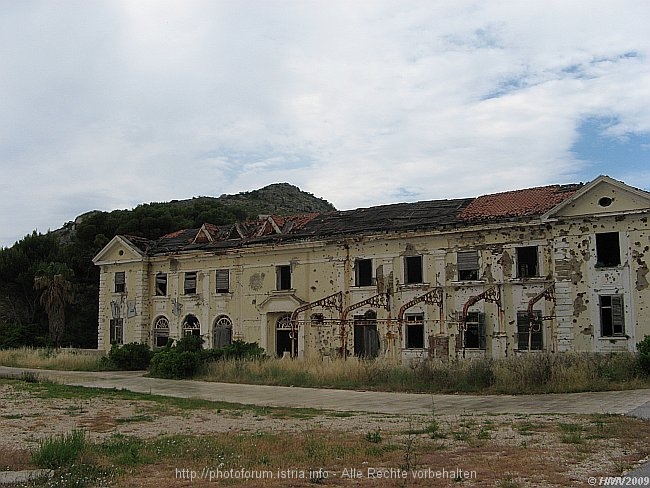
(517, 203)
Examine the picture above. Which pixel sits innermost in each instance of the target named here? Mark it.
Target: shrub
(175, 363)
(644, 355)
(56, 452)
(130, 357)
(191, 343)
(242, 350)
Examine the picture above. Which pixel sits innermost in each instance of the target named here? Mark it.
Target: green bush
(56, 452)
(175, 363)
(242, 350)
(191, 343)
(644, 355)
(130, 357)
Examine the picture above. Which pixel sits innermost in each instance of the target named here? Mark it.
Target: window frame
(414, 321)
(523, 325)
(477, 327)
(226, 280)
(187, 280)
(468, 265)
(160, 292)
(119, 279)
(608, 247)
(612, 315)
(158, 331)
(115, 326)
(414, 275)
(283, 277)
(363, 272)
(519, 252)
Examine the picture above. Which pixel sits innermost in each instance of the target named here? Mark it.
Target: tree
(52, 282)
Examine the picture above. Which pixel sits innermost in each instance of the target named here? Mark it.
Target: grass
(535, 373)
(126, 460)
(61, 359)
(525, 374)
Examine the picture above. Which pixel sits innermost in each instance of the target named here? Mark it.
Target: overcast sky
(108, 104)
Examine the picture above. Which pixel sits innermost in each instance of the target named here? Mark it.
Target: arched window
(191, 326)
(160, 331)
(222, 335)
(285, 340)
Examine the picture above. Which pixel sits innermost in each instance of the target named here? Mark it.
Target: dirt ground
(502, 450)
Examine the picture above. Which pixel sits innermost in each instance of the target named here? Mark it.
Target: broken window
(117, 331)
(473, 335)
(160, 332)
(283, 277)
(530, 335)
(608, 250)
(285, 340)
(223, 281)
(120, 282)
(161, 284)
(363, 272)
(222, 332)
(413, 269)
(527, 262)
(414, 331)
(612, 317)
(366, 337)
(191, 326)
(189, 284)
(467, 265)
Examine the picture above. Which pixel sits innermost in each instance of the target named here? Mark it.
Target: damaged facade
(554, 268)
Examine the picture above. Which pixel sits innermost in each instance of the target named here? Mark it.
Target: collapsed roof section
(519, 205)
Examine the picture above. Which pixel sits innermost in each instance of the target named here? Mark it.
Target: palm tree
(56, 292)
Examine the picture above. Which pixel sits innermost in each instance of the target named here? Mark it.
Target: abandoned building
(553, 268)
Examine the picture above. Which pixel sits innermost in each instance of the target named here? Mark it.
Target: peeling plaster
(257, 281)
(579, 305)
(487, 274)
(450, 271)
(506, 263)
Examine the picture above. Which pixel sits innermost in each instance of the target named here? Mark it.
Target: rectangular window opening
(161, 284)
(608, 250)
(530, 333)
(413, 269)
(415, 331)
(473, 337)
(117, 331)
(527, 266)
(363, 272)
(223, 281)
(120, 282)
(283, 275)
(189, 284)
(467, 265)
(612, 316)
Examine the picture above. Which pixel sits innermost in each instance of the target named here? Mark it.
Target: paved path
(632, 402)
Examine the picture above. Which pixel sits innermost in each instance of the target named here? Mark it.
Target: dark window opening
(473, 336)
(120, 282)
(527, 262)
(612, 317)
(191, 326)
(415, 331)
(283, 275)
(530, 334)
(467, 264)
(608, 250)
(413, 269)
(366, 337)
(363, 272)
(222, 332)
(117, 331)
(161, 284)
(285, 341)
(189, 285)
(223, 281)
(161, 332)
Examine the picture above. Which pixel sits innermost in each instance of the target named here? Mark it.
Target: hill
(23, 320)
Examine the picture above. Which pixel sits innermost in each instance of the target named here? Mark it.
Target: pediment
(280, 302)
(118, 250)
(602, 196)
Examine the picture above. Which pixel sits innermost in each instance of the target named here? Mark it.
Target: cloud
(112, 103)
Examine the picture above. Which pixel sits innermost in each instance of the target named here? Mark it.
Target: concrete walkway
(630, 402)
